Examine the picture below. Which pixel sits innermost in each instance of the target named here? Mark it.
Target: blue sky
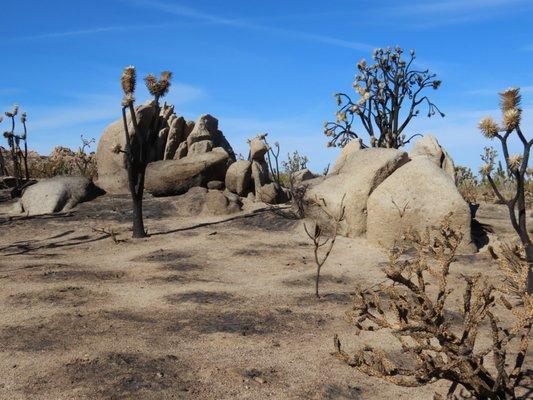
(259, 66)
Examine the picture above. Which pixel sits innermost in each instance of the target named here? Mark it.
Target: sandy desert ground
(205, 308)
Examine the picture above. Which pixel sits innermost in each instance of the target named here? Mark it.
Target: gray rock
(182, 151)
(215, 185)
(346, 153)
(112, 174)
(238, 177)
(260, 174)
(203, 146)
(429, 147)
(258, 148)
(199, 200)
(60, 193)
(218, 204)
(232, 196)
(302, 175)
(171, 177)
(415, 197)
(358, 177)
(176, 135)
(267, 194)
(205, 128)
(157, 151)
(189, 126)
(219, 140)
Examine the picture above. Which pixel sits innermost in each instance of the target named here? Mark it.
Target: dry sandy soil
(202, 309)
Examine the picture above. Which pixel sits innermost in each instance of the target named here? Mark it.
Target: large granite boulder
(347, 152)
(428, 147)
(239, 177)
(355, 180)
(60, 193)
(172, 177)
(415, 197)
(112, 174)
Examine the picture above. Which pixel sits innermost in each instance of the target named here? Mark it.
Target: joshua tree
(517, 165)
(139, 142)
(385, 89)
(19, 156)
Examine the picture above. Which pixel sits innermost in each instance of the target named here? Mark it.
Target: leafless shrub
(319, 241)
(107, 231)
(417, 317)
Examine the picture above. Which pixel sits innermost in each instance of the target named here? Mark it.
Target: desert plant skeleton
(319, 242)
(417, 317)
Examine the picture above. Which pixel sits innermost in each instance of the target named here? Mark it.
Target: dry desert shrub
(414, 307)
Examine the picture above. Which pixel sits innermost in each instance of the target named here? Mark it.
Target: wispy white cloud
(189, 12)
(431, 14)
(88, 32)
(453, 6)
(80, 32)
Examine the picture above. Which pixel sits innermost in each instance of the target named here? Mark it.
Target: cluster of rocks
(387, 191)
(251, 177)
(383, 191)
(185, 154)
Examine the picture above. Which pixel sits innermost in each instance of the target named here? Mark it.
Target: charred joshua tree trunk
(138, 144)
(25, 154)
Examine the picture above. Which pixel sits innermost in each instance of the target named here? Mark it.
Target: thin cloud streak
(189, 12)
(453, 6)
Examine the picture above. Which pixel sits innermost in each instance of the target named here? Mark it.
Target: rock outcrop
(60, 193)
(239, 177)
(252, 178)
(173, 177)
(429, 147)
(417, 196)
(386, 192)
(112, 174)
(356, 178)
(177, 140)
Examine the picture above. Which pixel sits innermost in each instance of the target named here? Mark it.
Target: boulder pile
(185, 154)
(252, 177)
(387, 191)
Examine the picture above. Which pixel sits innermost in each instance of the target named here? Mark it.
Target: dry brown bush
(61, 161)
(439, 345)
